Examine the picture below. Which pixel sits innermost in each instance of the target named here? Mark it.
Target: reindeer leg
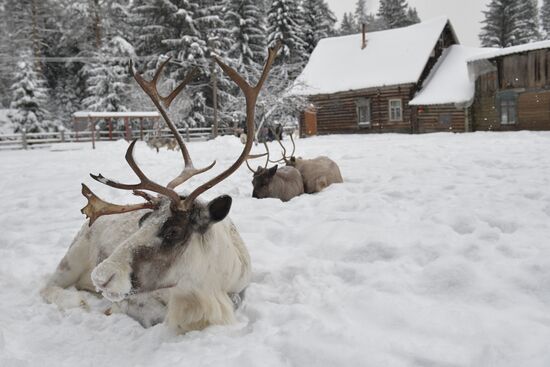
(70, 270)
(196, 311)
(148, 308)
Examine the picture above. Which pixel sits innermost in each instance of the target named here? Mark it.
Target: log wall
(337, 113)
(441, 118)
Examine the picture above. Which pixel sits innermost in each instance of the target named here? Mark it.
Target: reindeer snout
(112, 280)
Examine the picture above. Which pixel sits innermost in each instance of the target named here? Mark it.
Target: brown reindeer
(172, 258)
(317, 173)
(283, 183)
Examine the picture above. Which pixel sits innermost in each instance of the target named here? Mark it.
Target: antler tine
(284, 158)
(97, 207)
(145, 183)
(251, 95)
(293, 144)
(268, 160)
(254, 156)
(248, 165)
(163, 103)
(159, 70)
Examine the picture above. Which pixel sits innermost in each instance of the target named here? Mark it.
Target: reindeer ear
(273, 170)
(219, 207)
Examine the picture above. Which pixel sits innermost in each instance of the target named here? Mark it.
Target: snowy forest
(61, 56)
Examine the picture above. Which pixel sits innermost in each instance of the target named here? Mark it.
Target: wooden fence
(42, 140)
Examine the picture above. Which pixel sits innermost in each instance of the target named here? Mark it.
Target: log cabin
(419, 79)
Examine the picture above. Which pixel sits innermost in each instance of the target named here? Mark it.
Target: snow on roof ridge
(392, 57)
(449, 81)
(492, 53)
(431, 20)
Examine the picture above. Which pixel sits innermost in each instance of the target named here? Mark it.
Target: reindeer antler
(163, 103)
(97, 207)
(284, 156)
(251, 95)
(254, 156)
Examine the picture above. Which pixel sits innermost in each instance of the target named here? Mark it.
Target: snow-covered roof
(131, 114)
(449, 80)
(392, 57)
(511, 50)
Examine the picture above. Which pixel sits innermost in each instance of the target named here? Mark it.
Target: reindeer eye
(144, 218)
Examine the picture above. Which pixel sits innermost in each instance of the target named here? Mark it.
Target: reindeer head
(261, 181)
(177, 230)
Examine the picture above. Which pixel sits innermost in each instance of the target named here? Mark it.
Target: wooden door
(310, 118)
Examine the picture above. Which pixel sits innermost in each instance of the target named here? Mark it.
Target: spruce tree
(108, 81)
(528, 22)
(348, 25)
(412, 16)
(508, 23)
(285, 21)
(318, 23)
(545, 17)
(394, 13)
(29, 96)
(361, 13)
(246, 27)
(169, 27)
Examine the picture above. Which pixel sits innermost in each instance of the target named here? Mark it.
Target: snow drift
(434, 252)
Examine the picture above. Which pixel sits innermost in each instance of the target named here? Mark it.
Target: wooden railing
(41, 140)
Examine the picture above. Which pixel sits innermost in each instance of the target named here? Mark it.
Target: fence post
(92, 126)
(128, 128)
(110, 128)
(187, 135)
(24, 139)
(141, 128)
(62, 136)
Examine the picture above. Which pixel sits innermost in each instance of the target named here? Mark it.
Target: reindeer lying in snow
(317, 173)
(282, 183)
(171, 258)
(157, 142)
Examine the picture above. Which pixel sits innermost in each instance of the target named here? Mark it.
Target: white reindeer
(171, 258)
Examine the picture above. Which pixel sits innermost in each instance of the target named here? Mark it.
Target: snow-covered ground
(434, 252)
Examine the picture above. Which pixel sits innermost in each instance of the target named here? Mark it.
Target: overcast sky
(465, 15)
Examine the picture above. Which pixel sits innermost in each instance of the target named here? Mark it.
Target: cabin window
(445, 119)
(396, 110)
(508, 109)
(363, 111)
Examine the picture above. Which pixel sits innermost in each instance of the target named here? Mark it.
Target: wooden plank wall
(484, 112)
(337, 113)
(534, 110)
(428, 119)
(528, 75)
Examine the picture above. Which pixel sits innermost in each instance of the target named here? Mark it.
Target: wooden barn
(419, 79)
